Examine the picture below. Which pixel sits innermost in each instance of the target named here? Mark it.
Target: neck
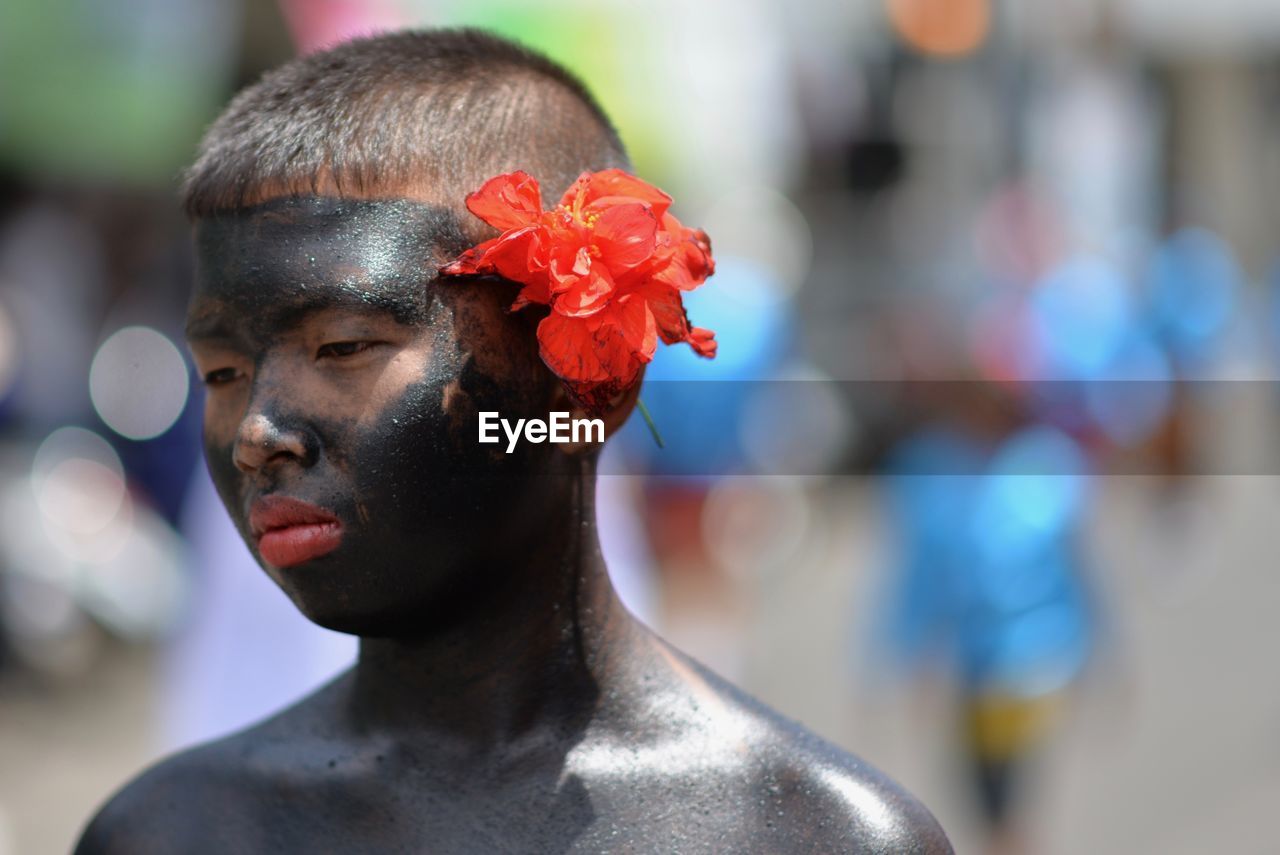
(537, 652)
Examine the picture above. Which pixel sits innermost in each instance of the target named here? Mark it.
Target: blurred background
(981, 487)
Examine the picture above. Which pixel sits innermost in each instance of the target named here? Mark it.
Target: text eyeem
(558, 429)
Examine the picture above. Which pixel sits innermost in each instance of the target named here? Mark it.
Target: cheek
(413, 377)
(397, 444)
(221, 422)
(223, 473)
(402, 425)
(418, 469)
(223, 410)
(401, 463)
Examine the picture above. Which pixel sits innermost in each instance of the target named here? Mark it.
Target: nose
(264, 442)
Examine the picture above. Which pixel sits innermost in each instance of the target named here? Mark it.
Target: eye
(221, 377)
(342, 349)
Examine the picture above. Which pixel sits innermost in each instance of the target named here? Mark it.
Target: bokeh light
(750, 524)
(1131, 400)
(943, 28)
(760, 225)
(795, 423)
(72, 443)
(82, 495)
(80, 492)
(78, 543)
(1081, 312)
(138, 382)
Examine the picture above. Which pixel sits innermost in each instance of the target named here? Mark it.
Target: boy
(503, 700)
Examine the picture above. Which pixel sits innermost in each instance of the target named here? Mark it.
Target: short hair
(428, 113)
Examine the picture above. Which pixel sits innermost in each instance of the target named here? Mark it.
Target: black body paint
(415, 492)
(504, 701)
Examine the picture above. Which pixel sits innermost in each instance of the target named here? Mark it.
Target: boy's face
(340, 425)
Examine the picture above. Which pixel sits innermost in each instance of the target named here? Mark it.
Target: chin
(336, 619)
(368, 622)
(387, 614)
(376, 597)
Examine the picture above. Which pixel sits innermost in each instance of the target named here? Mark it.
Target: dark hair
(434, 111)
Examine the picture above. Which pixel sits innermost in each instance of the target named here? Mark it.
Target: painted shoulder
(826, 799)
(846, 805)
(174, 806)
(205, 799)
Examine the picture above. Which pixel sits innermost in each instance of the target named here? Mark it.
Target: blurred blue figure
(989, 585)
(930, 480)
(1022, 622)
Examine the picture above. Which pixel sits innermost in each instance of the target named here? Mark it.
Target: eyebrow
(374, 256)
(217, 326)
(208, 326)
(403, 309)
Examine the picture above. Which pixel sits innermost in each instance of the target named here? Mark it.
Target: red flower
(611, 263)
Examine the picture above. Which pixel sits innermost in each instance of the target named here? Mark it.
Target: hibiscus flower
(609, 260)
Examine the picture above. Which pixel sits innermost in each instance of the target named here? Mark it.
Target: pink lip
(291, 531)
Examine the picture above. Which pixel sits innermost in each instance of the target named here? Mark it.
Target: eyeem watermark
(559, 429)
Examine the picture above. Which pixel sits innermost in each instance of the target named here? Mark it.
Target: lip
(290, 531)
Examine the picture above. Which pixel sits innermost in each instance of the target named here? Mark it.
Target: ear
(614, 417)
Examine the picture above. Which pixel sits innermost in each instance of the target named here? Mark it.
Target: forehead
(298, 254)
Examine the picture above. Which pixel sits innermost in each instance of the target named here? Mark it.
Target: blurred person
(987, 588)
(502, 697)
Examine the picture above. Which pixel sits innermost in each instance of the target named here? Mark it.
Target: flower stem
(648, 419)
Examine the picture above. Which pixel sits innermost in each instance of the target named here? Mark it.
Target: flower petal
(615, 182)
(563, 258)
(667, 309)
(575, 197)
(584, 295)
(582, 350)
(469, 263)
(688, 261)
(611, 262)
(703, 342)
(568, 347)
(593, 361)
(632, 318)
(534, 292)
(697, 247)
(624, 234)
(519, 255)
(507, 201)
